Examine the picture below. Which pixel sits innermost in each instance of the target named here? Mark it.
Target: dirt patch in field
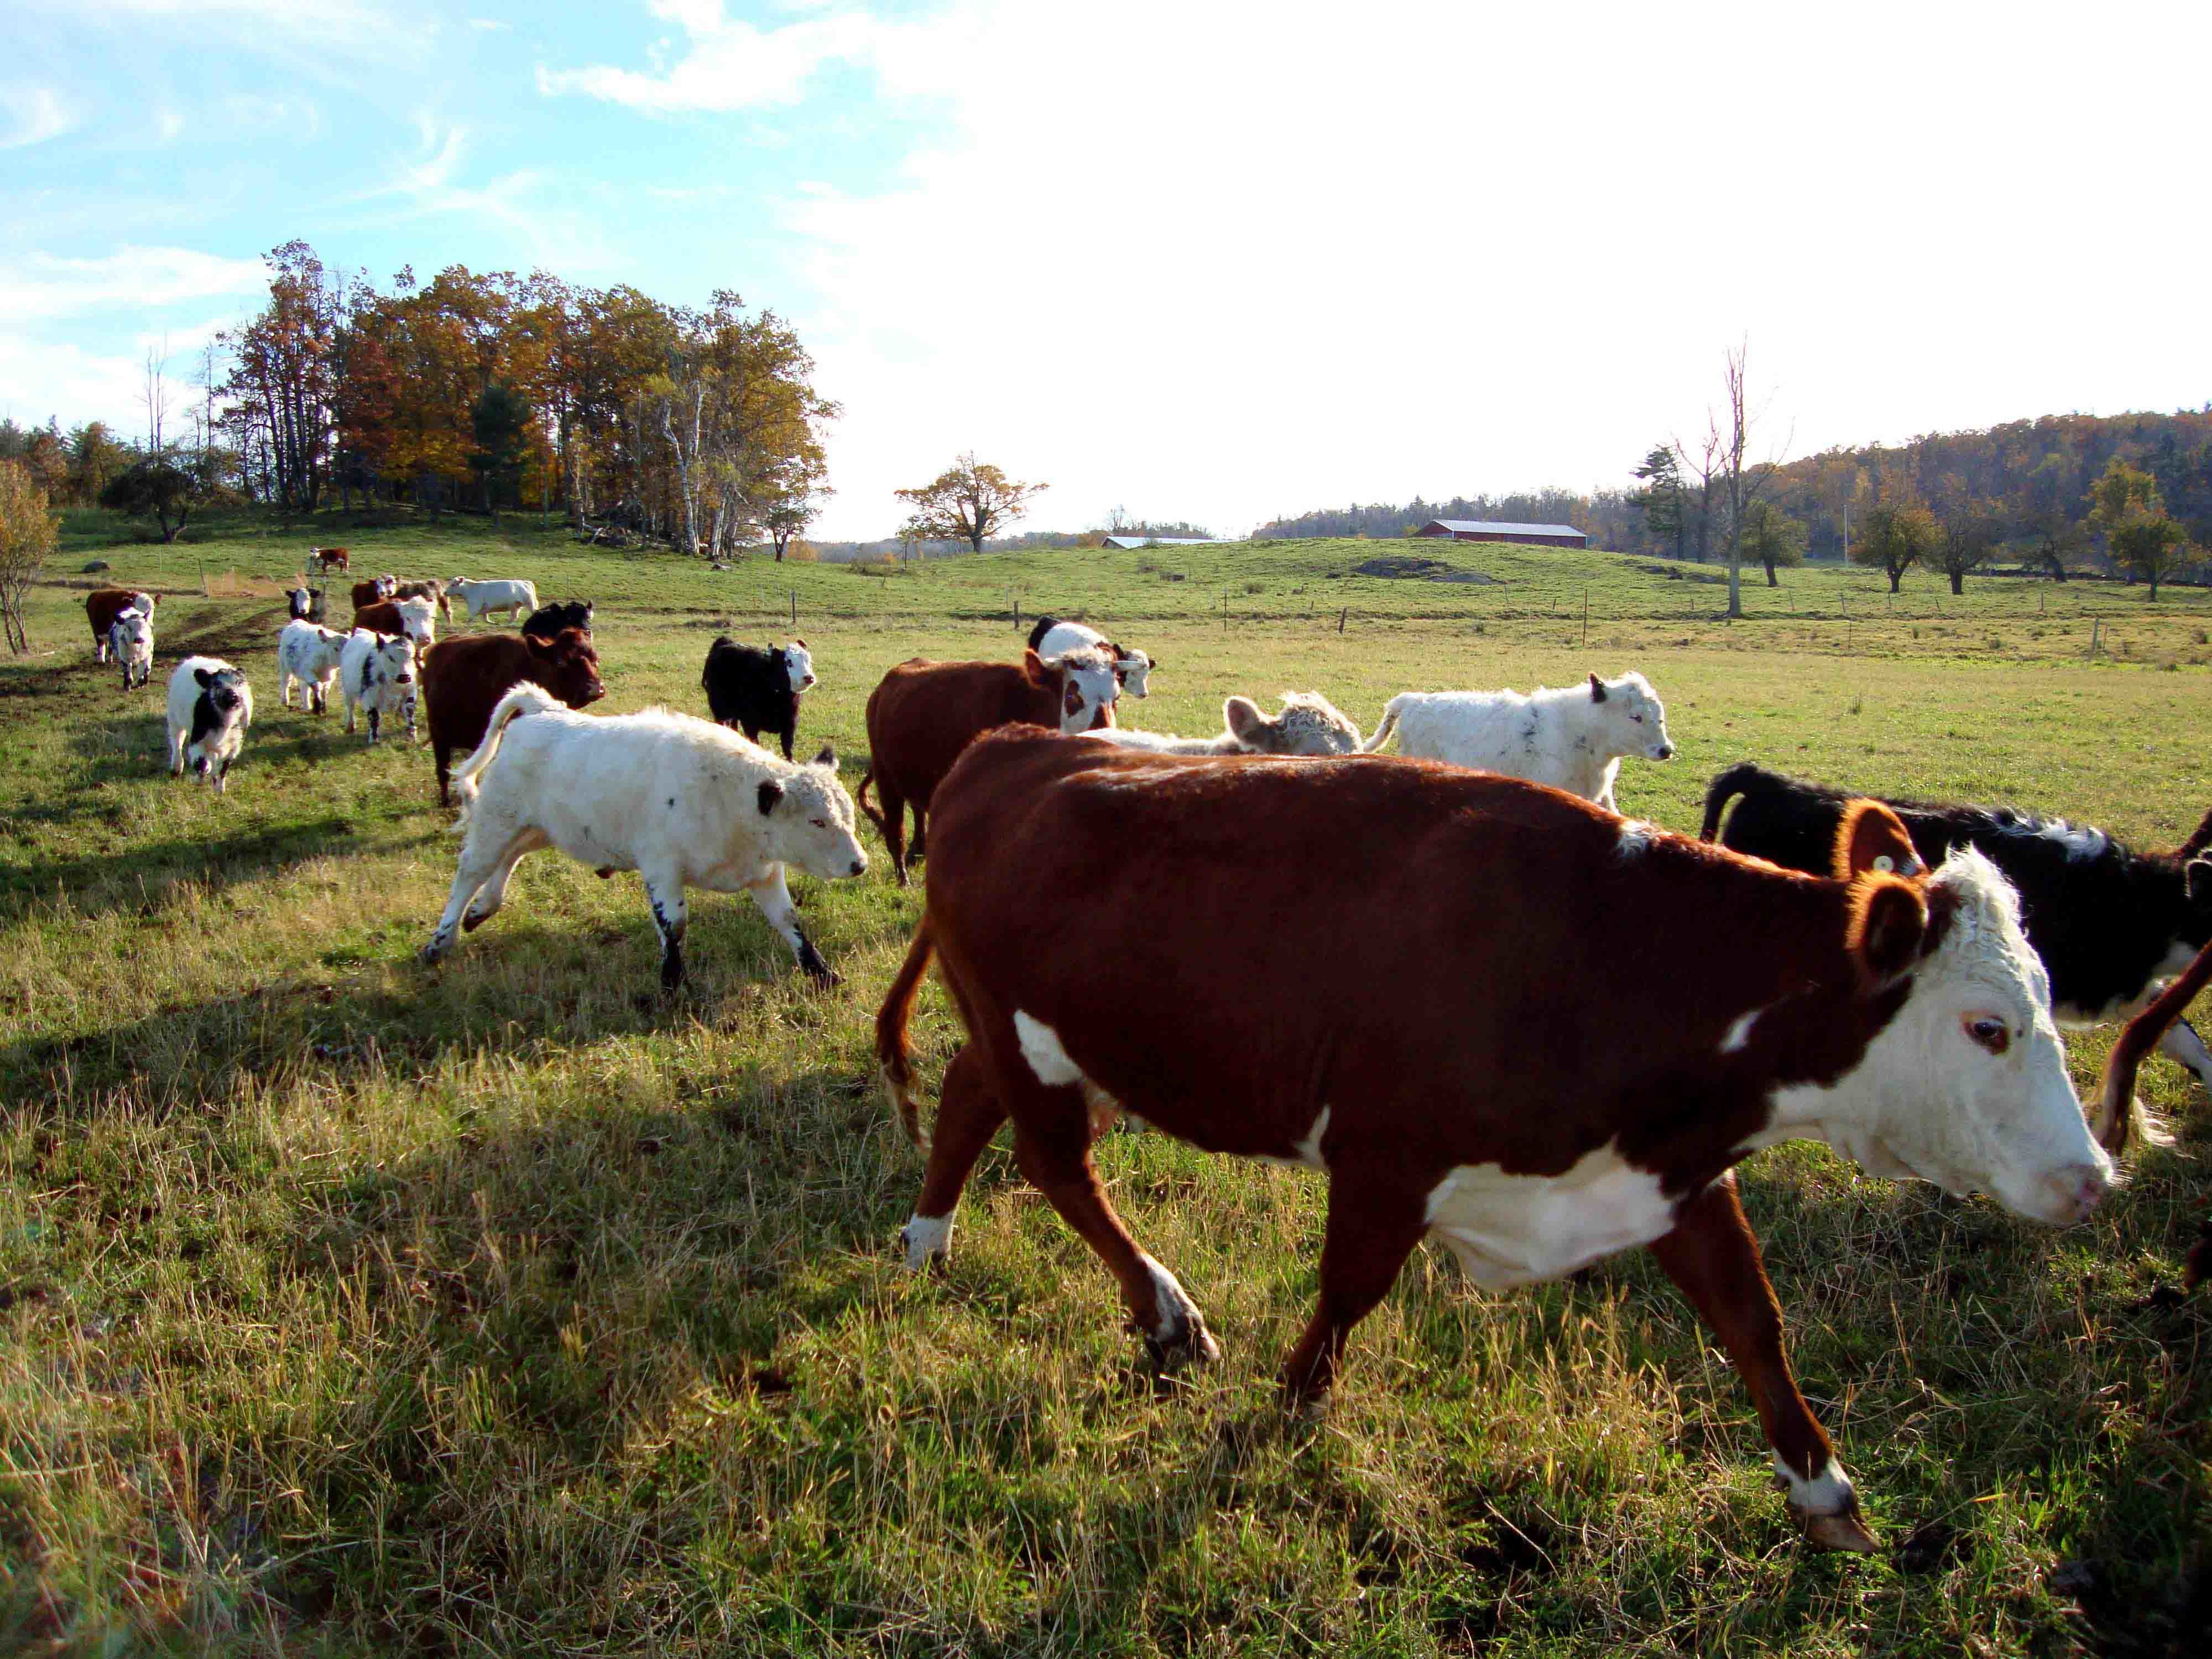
(1406, 566)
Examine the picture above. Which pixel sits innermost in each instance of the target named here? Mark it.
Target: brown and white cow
(374, 589)
(327, 559)
(922, 714)
(104, 604)
(428, 588)
(1493, 1013)
(416, 618)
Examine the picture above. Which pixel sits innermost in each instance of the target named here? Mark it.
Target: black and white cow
(2109, 922)
(755, 691)
(131, 642)
(549, 622)
(210, 706)
(376, 672)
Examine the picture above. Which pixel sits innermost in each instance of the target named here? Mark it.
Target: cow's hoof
(431, 953)
(1841, 1531)
(1187, 1344)
(472, 921)
(925, 1243)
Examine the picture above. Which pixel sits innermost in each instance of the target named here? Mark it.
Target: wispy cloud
(35, 286)
(730, 64)
(32, 115)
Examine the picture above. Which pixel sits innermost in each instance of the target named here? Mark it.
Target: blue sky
(1201, 260)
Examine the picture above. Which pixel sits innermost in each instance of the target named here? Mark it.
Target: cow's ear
(827, 757)
(1244, 718)
(538, 643)
(2197, 875)
(1597, 690)
(205, 679)
(800, 643)
(1871, 837)
(1035, 671)
(771, 792)
(1888, 924)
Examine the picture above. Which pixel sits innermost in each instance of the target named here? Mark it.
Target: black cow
(548, 622)
(2109, 922)
(755, 691)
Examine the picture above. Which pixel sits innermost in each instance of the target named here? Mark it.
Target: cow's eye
(819, 824)
(1993, 1034)
(1639, 718)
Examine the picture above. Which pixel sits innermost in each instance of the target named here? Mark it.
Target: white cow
(1308, 725)
(517, 598)
(684, 802)
(131, 642)
(376, 672)
(1052, 638)
(210, 706)
(1571, 738)
(312, 656)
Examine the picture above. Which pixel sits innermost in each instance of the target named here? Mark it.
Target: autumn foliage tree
(2128, 508)
(27, 542)
(966, 502)
(1895, 534)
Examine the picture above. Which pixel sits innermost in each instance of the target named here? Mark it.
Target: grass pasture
(350, 1307)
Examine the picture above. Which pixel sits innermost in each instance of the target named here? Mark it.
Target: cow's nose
(860, 864)
(1666, 751)
(2078, 1190)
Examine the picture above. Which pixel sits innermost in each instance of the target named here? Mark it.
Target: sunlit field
(349, 1306)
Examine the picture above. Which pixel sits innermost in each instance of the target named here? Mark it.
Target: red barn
(1483, 530)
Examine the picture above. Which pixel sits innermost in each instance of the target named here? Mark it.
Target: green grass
(350, 1307)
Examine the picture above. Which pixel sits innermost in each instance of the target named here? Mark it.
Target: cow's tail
(860, 800)
(894, 1053)
(1390, 711)
(2200, 841)
(1738, 780)
(519, 700)
(707, 672)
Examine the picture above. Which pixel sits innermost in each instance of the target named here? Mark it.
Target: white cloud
(489, 25)
(730, 65)
(38, 286)
(1165, 257)
(31, 115)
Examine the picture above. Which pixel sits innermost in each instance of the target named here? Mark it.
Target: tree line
(700, 426)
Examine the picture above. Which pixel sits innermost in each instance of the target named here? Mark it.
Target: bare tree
(1741, 491)
(157, 396)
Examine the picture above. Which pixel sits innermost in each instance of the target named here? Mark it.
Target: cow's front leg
(2182, 1045)
(664, 890)
(1713, 1255)
(374, 719)
(774, 898)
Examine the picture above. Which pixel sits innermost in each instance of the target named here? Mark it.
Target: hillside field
(350, 1307)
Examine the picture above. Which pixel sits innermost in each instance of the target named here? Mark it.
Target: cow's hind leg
(1713, 1255)
(482, 853)
(1374, 1222)
(2182, 1045)
(774, 898)
(968, 1114)
(919, 847)
(894, 825)
(1052, 1142)
(664, 890)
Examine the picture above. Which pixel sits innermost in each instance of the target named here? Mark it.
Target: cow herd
(1496, 1013)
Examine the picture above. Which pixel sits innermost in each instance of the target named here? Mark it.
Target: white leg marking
(2182, 1044)
(1040, 1048)
(1829, 1492)
(1172, 1301)
(928, 1238)
(1309, 1150)
(1739, 1033)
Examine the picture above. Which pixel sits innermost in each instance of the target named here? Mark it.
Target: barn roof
(1498, 528)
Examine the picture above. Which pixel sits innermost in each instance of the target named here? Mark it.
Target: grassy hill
(347, 1307)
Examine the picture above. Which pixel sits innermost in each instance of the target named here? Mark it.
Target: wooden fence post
(1341, 615)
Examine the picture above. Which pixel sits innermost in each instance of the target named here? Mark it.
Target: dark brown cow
(1491, 1010)
(922, 714)
(328, 559)
(465, 678)
(370, 592)
(104, 604)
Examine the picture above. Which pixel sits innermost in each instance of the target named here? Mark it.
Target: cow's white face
(799, 663)
(1967, 1086)
(132, 635)
(1131, 670)
(805, 818)
(419, 618)
(1088, 689)
(1634, 720)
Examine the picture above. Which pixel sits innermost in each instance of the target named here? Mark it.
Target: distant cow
(327, 559)
(416, 618)
(376, 674)
(516, 598)
(1308, 725)
(131, 642)
(1052, 637)
(1492, 1013)
(312, 656)
(683, 802)
(210, 706)
(756, 690)
(104, 604)
(549, 622)
(2109, 923)
(464, 678)
(1570, 737)
(370, 592)
(922, 714)
(301, 601)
